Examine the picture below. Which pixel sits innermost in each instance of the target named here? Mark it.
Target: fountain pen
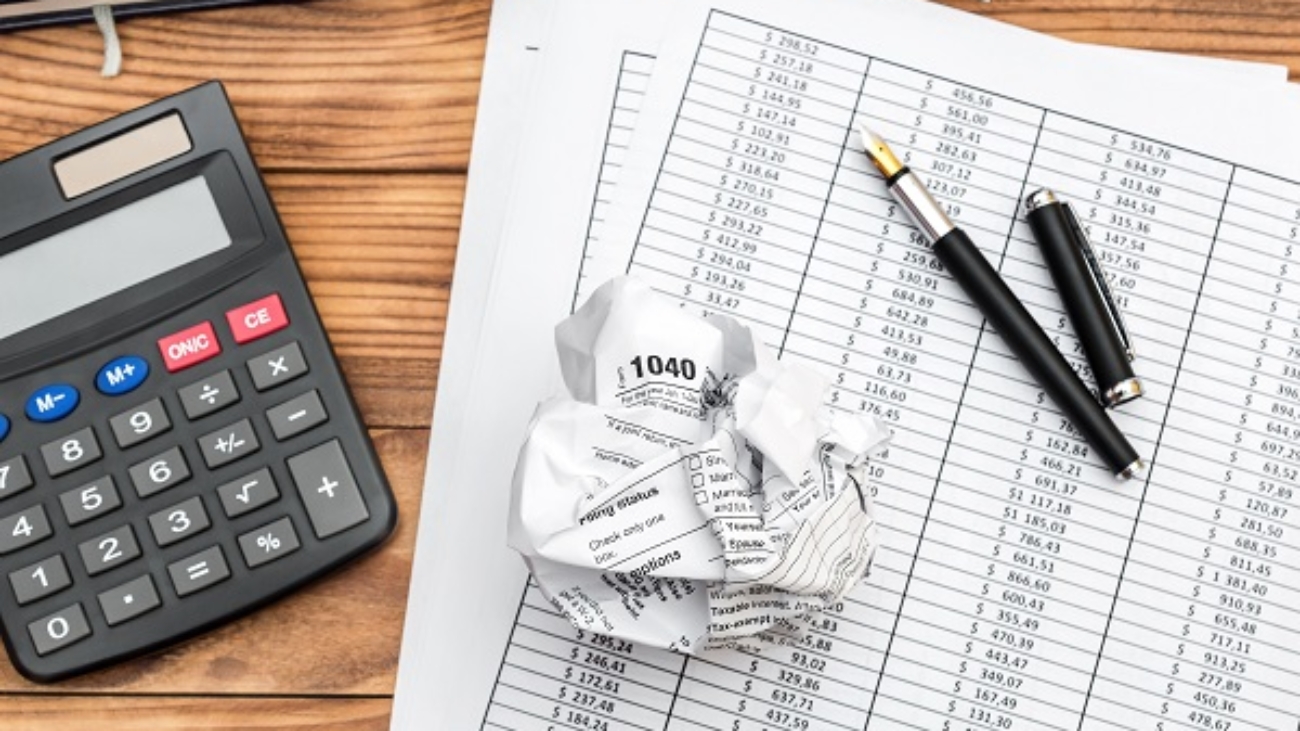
(995, 300)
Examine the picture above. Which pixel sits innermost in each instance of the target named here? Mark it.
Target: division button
(152, 476)
(57, 631)
(210, 395)
(179, 522)
(276, 367)
(224, 446)
(71, 452)
(14, 477)
(23, 529)
(325, 483)
(268, 543)
(199, 571)
(122, 375)
(257, 319)
(189, 347)
(110, 550)
(297, 416)
(90, 501)
(52, 403)
(140, 424)
(40, 580)
(129, 600)
(248, 493)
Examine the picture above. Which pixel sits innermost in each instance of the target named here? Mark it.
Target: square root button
(325, 483)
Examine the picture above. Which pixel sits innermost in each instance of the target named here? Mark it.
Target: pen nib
(881, 156)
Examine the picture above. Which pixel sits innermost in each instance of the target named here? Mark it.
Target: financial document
(877, 663)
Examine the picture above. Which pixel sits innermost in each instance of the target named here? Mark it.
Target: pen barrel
(1026, 339)
(1084, 304)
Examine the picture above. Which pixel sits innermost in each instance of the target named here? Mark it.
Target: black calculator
(177, 443)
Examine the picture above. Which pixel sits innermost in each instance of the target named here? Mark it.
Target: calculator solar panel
(177, 442)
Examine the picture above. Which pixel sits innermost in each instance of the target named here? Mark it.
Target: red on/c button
(257, 319)
(189, 347)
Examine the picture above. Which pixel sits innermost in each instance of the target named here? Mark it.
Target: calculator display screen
(108, 254)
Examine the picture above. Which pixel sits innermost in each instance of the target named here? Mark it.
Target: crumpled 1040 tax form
(690, 491)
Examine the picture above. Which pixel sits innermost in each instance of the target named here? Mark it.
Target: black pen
(1081, 280)
(995, 300)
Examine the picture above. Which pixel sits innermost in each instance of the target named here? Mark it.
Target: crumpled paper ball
(689, 491)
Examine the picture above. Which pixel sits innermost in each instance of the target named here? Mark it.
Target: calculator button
(226, 445)
(57, 631)
(140, 424)
(257, 319)
(189, 347)
(268, 543)
(248, 493)
(179, 522)
(122, 375)
(199, 571)
(76, 450)
(23, 529)
(324, 481)
(109, 550)
(278, 366)
(152, 476)
(14, 477)
(129, 600)
(209, 396)
(40, 580)
(90, 501)
(53, 403)
(297, 416)
(4, 427)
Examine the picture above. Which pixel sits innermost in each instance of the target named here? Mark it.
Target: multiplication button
(71, 452)
(210, 395)
(268, 543)
(224, 446)
(129, 600)
(14, 477)
(40, 580)
(325, 483)
(140, 424)
(276, 367)
(57, 631)
(297, 416)
(199, 571)
(248, 493)
(23, 529)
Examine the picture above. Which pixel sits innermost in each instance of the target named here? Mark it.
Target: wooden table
(361, 113)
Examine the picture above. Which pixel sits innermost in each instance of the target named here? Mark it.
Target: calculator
(177, 442)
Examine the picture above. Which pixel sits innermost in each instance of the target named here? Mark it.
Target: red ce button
(257, 319)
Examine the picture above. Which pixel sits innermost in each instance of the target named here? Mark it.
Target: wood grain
(362, 112)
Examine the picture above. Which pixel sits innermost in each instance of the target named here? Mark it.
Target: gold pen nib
(881, 156)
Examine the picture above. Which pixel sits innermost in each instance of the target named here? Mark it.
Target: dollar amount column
(744, 180)
(1206, 634)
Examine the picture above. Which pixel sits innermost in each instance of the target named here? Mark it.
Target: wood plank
(333, 84)
(55, 713)
(339, 636)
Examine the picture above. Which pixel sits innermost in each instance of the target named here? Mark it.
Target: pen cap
(1085, 304)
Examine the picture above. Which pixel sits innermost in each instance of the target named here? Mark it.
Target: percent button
(268, 543)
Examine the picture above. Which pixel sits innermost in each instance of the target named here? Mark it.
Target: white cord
(112, 44)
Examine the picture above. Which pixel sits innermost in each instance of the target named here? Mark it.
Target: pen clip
(1098, 272)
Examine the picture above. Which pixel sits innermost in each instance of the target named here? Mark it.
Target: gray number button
(209, 396)
(109, 550)
(90, 501)
(224, 446)
(268, 543)
(129, 600)
(325, 483)
(297, 416)
(248, 493)
(276, 367)
(14, 477)
(40, 580)
(76, 450)
(140, 424)
(199, 571)
(179, 522)
(155, 475)
(23, 529)
(57, 631)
